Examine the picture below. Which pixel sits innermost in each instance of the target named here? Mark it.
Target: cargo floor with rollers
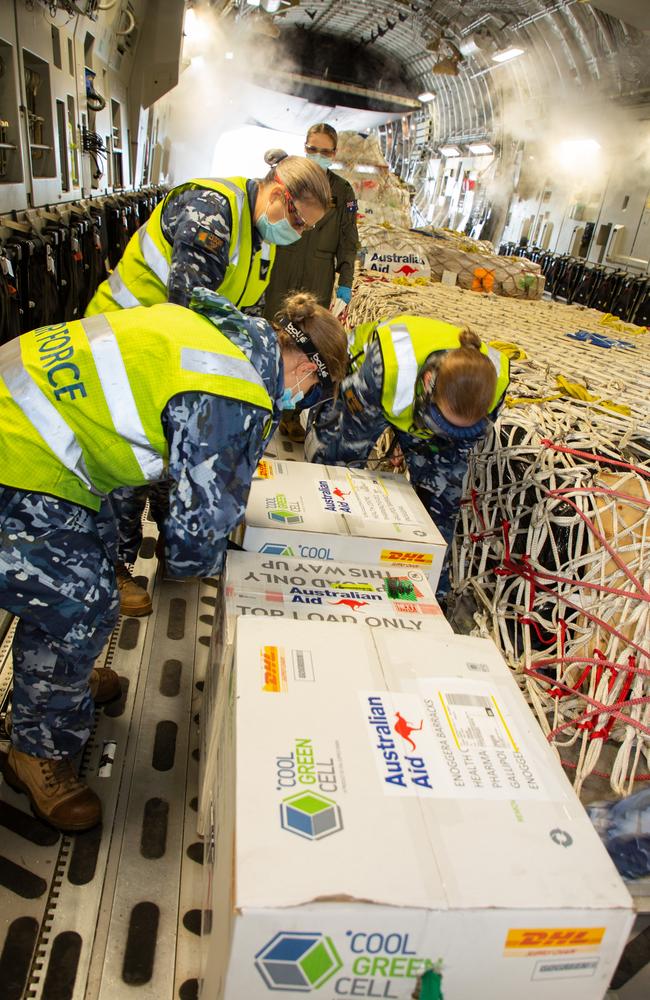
(116, 912)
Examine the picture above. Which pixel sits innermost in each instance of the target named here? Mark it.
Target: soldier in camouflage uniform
(437, 448)
(209, 401)
(220, 234)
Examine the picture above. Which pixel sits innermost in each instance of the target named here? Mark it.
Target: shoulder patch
(351, 206)
(207, 240)
(352, 401)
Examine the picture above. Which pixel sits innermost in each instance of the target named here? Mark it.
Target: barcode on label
(468, 700)
(303, 667)
(482, 667)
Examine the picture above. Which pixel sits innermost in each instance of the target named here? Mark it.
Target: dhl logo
(272, 668)
(413, 558)
(264, 470)
(555, 937)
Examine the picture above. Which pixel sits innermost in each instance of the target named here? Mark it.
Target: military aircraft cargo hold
(324, 499)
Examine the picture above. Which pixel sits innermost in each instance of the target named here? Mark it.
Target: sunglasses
(316, 150)
(299, 222)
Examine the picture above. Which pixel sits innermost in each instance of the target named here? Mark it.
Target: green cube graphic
(297, 962)
(310, 815)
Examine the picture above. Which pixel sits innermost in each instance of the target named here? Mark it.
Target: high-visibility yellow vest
(142, 275)
(81, 402)
(406, 342)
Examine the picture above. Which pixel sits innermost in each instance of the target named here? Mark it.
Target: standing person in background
(220, 234)
(437, 386)
(329, 248)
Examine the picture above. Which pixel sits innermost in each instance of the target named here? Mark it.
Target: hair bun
(300, 306)
(274, 156)
(469, 338)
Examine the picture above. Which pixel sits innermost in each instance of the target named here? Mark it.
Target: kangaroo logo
(338, 492)
(403, 729)
(350, 603)
(407, 270)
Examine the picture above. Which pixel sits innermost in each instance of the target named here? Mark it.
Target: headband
(306, 344)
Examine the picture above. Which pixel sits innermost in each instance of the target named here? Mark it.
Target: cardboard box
(384, 597)
(309, 511)
(395, 809)
(284, 449)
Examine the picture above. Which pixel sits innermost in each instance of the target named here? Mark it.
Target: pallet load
(373, 822)
(442, 255)
(553, 542)
(377, 597)
(332, 512)
(382, 197)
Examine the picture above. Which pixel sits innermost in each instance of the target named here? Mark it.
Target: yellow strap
(513, 351)
(577, 391)
(614, 323)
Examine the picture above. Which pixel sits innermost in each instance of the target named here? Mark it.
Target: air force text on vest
(56, 350)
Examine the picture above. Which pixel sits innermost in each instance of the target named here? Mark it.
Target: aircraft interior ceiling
(446, 47)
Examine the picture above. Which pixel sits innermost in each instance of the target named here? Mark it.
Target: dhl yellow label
(412, 558)
(273, 670)
(264, 470)
(554, 937)
(342, 585)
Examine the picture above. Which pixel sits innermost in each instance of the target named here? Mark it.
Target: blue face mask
(281, 233)
(288, 401)
(322, 161)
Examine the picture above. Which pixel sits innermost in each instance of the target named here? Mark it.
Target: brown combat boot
(104, 686)
(134, 599)
(54, 790)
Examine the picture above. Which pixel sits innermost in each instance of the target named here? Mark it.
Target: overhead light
(480, 148)
(425, 96)
(253, 3)
(449, 150)
(271, 6)
(506, 54)
(573, 154)
(229, 55)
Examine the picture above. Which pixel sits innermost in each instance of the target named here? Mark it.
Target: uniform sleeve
(199, 230)
(346, 252)
(214, 447)
(345, 430)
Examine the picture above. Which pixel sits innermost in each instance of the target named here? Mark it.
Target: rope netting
(471, 264)
(553, 544)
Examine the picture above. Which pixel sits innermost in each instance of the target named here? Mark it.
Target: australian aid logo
(335, 500)
(402, 743)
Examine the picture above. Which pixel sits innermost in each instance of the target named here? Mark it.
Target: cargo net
(553, 542)
(432, 255)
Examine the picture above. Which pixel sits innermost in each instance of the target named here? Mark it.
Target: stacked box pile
(444, 255)
(384, 597)
(377, 803)
(381, 196)
(554, 537)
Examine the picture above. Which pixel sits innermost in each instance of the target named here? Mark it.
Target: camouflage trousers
(57, 576)
(438, 481)
(127, 505)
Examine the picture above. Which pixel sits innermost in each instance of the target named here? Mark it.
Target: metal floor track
(116, 912)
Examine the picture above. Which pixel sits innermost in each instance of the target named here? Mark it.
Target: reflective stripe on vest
(218, 364)
(407, 367)
(154, 258)
(47, 420)
(240, 197)
(119, 395)
(122, 295)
